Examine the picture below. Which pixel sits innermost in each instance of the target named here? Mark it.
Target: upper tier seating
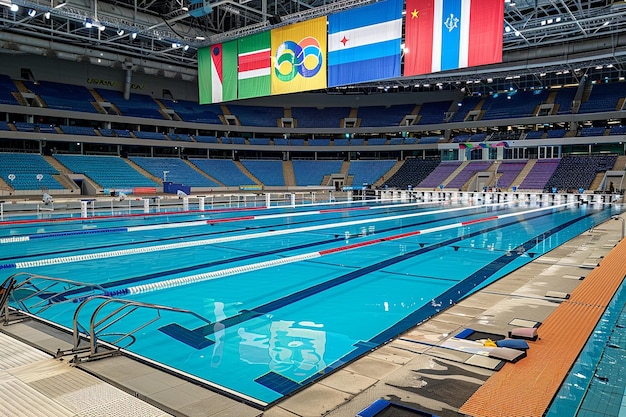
(26, 167)
(439, 174)
(518, 104)
(206, 139)
(578, 171)
(434, 112)
(78, 130)
(564, 99)
(376, 141)
(107, 171)
(468, 104)
(412, 172)
(373, 116)
(618, 130)
(369, 171)
(603, 97)
(6, 88)
(317, 142)
(259, 141)
(189, 111)
(592, 131)
(312, 117)
(223, 170)
(429, 140)
(556, 133)
(467, 173)
(539, 175)
(138, 105)
(269, 172)
(535, 134)
(4, 125)
(63, 96)
(396, 141)
(257, 115)
(178, 171)
(149, 135)
(34, 127)
(309, 172)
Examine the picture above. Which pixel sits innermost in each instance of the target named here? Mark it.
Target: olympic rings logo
(304, 58)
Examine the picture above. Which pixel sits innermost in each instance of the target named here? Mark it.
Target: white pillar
(293, 199)
(185, 203)
(83, 209)
(201, 203)
(146, 205)
(268, 200)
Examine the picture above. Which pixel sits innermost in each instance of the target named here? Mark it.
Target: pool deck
(425, 368)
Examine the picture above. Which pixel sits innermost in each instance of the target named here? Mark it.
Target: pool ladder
(112, 311)
(31, 294)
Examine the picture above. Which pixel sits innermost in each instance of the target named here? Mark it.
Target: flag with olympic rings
(299, 57)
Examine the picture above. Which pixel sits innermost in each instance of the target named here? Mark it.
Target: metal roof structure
(557, 39)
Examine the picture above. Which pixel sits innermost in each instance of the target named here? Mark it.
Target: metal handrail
(51, 298)
(126, 308)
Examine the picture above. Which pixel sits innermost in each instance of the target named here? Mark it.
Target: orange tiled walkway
(527, 387)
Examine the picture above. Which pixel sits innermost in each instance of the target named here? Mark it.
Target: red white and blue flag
(449, 34)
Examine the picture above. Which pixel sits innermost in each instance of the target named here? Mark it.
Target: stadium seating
(269, 172)
(78, 130)
(508, 171)
(223, 170)
(467, 104)
(517, 103)
(7, 87)
(373, 116)
(26, 167)
(108, 171)
(603, 97)
(310, 172)
(433, 112)
(63, 96)
(439, 174)
(257, 115)
(312, 117)
(539, 175)
(412, 172)
(149, 135)
(578, 171)
(369, 171)
(189, 111)
(564, 100)
(138, 105)
(178, 171)
(535, 134)
(467, 173)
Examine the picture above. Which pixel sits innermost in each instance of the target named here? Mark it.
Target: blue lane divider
(78, 232)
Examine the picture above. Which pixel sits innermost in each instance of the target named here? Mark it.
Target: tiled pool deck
(421, 368)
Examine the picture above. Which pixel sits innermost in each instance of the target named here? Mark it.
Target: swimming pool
(282, 296)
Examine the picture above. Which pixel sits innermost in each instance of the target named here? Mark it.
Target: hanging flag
(255, 63)
(299, 57)
(364, 43)
(217, 73)
(449, 34)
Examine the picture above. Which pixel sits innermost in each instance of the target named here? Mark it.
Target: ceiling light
(120, 32)
(14, 8)
(47, 15)
(32, 13)
(133, 35)
(88, 23)
(185, 48)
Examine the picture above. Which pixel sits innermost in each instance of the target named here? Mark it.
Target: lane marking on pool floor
(181, 245)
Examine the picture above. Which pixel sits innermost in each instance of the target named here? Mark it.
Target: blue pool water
(283, 296)
(596, 384)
